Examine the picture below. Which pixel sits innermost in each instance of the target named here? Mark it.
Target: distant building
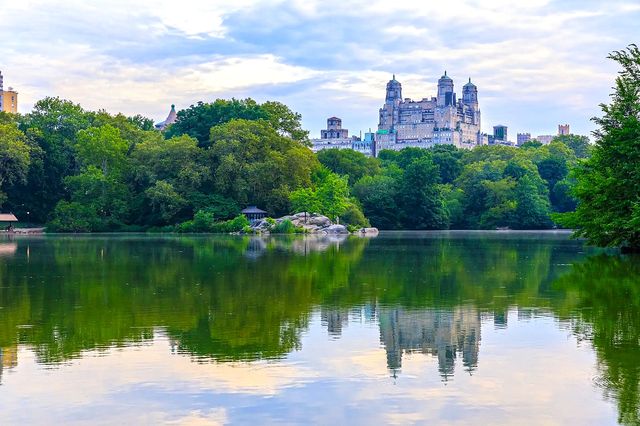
(523, 138)
(545, 139)
(500, 133)
(334, 130)
(8, 98)
(335, 137)
(563, 129)
(430, 121)
(171, 118)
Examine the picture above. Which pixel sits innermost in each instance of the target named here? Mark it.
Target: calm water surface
(447, 328)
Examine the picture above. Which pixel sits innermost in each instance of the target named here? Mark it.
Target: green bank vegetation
(83, 171)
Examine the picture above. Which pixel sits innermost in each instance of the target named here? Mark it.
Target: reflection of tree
(94, 293)
(218, 303)
(605, 293)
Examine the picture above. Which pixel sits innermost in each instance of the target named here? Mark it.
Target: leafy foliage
(608, 211)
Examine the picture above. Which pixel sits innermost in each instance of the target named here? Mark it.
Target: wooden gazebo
(7, 218)
(254, 213)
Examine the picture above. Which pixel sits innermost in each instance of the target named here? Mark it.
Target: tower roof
(171, 118)
(469, 84)
(445, 76)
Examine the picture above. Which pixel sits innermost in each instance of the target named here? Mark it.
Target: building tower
(470, 94)
(563, 129)
(334, 129)
(446, 96)
(500, 132)
(171, 118)
(394, 91)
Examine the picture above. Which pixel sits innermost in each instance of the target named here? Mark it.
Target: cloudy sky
(537, 63)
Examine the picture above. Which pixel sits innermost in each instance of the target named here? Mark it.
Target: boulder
(319, 220)
(336, 229)
(369, 231)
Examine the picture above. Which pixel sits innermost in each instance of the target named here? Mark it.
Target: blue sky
(536, 63)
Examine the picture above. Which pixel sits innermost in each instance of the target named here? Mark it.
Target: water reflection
(444, 334)
(230, 299)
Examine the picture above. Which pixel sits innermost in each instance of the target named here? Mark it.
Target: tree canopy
(608, 210)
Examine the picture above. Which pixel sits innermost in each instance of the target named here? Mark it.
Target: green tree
(377, 194)
(578, 144)
(102, 147)
(420, 197)
(532, 205)
(333, 195)
(608, 212)
(197, 120)
(14, 157)
(305, 200)
(448, 158)
(165, 201)
(251, 163)
(51, 129)
(348, 162)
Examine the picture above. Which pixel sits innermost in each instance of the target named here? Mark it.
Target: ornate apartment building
(8, 98)
(443, 119)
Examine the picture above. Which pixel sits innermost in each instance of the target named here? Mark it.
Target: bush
(73, 217)
(353, 216)
(284, 227)
(203, 221)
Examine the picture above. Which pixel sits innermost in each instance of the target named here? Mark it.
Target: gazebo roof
(252, 210)
(8, 217)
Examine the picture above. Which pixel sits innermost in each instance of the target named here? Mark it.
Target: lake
(405, 328)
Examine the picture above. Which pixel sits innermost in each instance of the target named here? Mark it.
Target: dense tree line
(79, 170)
(444, 187)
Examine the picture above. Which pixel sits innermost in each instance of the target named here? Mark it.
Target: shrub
(354, 216)
(284, 227)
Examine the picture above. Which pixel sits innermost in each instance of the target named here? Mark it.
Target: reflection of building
(335, 320)
(442, 119)
(442, 333)
(8, 98)
(8, 359)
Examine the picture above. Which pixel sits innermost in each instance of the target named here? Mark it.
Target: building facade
(545, 139)
(8, 98)
(335, 137)
(443, 119)
(523, 138)
(563, 129)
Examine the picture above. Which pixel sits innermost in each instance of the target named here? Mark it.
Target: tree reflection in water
(240, 298)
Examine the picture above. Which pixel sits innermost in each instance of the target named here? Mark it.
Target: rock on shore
(312, 223)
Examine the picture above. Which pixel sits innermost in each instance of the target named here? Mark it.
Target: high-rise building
(442, 119)
(523, 138)
(563, 129)
(8, 98)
